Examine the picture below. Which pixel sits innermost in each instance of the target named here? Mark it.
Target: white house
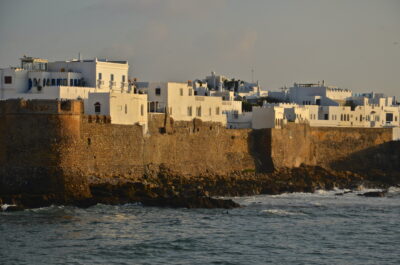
(367, 115)
(313, 94)
(180, 101)
(102, 85)
(39, 79)
(123, 108)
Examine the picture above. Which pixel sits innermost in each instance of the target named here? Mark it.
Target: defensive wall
(51, 147)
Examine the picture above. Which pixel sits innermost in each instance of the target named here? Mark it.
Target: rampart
(50, 147)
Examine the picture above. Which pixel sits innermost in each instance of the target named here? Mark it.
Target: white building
(313, 94)
(368, 115)
(276, 115)
(39, 79)
(180, 101)
(221, 83)
(103, 86)
(123, 108)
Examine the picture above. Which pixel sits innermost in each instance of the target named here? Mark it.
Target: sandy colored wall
(51, 147)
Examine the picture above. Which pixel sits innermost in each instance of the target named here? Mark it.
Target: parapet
(20, 106)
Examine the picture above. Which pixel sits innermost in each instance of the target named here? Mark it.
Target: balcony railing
(100, 83)
(113, 84)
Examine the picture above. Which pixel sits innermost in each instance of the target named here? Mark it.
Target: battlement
(20, 106)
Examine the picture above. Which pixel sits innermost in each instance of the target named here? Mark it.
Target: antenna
(252, 75)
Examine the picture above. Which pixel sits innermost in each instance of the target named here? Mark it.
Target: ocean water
(297, 228)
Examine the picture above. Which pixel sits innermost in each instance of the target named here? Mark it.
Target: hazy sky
(351, 43)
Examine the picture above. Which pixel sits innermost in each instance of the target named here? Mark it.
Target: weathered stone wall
(32, 135)
(298, 144)
(51, 147)
(189, 148)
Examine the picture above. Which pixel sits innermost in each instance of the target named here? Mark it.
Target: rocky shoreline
(168, 189)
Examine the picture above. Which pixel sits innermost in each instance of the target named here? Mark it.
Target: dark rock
(191, 202)
(374, 194)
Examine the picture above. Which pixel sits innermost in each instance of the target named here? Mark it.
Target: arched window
(48, 82)
(97, 107)
(29, 84)
(44, 81)
(35, 82)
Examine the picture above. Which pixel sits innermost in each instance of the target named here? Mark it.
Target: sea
(325, 227)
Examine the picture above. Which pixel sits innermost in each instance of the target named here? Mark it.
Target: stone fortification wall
(189, 148)
(51, 147)
(298, 144)
(32, 135)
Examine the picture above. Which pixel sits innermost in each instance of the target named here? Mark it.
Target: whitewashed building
(382, 114)
(180, 101)
(103, 86)
(313, 94)
(39, 79)
(123, 108)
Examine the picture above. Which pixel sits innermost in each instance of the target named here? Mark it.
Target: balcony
(112, 84)
(124, 85)
(100, 83)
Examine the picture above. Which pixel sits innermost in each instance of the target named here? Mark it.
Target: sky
(352, 44)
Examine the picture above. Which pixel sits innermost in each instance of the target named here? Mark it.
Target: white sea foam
(5, 206)
(280, 212)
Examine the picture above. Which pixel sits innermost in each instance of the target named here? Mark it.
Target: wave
(5, 206)
(280, 212)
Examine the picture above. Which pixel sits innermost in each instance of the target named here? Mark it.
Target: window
(100, 76)
(65, 82)
(44, 81)
(142, 110)
(123, 78)
(97, 107)
(181, 91)
(190, 91)
(158, 91)
(75, 82)
(198, 111)
(112, 77)
(126, 109)
(189, 111)
(389, 117)
(217, 111)
(53, 82)
(71, 82)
